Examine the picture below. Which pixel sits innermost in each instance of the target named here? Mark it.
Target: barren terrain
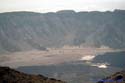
(51, 56)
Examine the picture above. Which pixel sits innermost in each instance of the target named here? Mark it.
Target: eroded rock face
(24, 31)
(8, 75)
(118, 77)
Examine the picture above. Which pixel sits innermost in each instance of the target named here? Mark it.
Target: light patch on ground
(87, 58)
(35, 58)
(101, 65)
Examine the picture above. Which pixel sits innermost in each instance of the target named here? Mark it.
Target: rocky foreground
(118, 77)
(8, 75)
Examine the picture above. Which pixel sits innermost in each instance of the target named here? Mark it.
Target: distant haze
(55, 5)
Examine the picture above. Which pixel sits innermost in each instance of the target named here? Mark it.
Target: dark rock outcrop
(118, 77)
(8, 75)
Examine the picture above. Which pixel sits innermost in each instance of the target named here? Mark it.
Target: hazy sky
(55, 5)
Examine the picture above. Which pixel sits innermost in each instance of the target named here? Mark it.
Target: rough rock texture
(8, 75)
(21, 31)
(118, 77)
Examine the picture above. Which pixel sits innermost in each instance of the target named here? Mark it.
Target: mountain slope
(21, 31)
(8, 75)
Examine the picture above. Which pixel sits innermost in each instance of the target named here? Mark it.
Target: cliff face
(8, 75)
(20, 31)
(118, 77)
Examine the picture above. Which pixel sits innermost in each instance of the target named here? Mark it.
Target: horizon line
(64, 10)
